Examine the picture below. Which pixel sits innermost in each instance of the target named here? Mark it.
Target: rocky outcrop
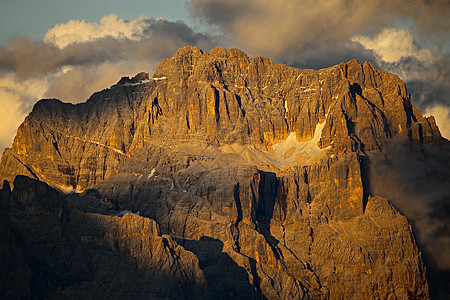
(222, 97)
(56, 251)
(314, 230)
(253, 180)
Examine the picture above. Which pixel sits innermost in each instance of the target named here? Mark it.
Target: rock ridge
(222, 97)
(248, 179)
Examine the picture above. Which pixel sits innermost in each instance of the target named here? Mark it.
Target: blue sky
(70, 49)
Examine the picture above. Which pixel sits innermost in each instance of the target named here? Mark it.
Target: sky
(70, 49)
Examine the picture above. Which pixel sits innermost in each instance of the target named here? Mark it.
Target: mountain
(225, 176)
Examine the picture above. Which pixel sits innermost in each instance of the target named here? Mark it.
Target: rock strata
(222, 176)
(312, 229)
(59, 252)
(222, 97)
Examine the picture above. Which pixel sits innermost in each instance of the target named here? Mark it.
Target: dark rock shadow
(264, 209)
(63, 253)
(89, 201)
(364, 164)
(264, 201)
(226, 280)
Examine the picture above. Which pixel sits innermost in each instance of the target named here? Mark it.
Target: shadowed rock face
(64, 253)
(261, 173)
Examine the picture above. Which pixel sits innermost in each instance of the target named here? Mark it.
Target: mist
(416, 180)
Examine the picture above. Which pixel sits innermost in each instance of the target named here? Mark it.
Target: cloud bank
(415, 180)
(393, 44)
(78, 58)
(281, 29)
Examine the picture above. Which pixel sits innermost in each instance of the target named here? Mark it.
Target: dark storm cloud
(417, 181)
(322, 55)
(429, 83)
(27, 58)
(274, 28)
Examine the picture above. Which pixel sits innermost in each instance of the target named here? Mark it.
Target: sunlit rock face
(221, 98)
(250, 179)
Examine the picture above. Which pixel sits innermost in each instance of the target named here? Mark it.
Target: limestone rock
(314, 229)
(63, 253)
(222, 97)
(252, 180)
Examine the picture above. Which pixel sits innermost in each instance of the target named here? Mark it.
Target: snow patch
(152, 172)
(67, 189)
(136, 83)
(309, 90)
(289, 152)
(97, 143)
(143, 81)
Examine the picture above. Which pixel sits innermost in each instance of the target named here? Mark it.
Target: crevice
(55, 145)
(256, 279)
(239, 102)
(216, 105)
(235, 227)
(28, 168)
(187, 120)
(364, 164)
(310, 233)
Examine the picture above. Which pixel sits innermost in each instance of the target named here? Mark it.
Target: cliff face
(223, 97)
(60, 252)
(308, 228)
(258, 175)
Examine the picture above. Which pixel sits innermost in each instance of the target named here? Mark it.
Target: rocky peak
(138, 79)
(222, 97)
(253, 166)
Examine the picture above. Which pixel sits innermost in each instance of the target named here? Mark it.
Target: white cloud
(78, 58)
(393, 44)
(32, 87)
(76, 31)
(442, 115)
(16, 100)
(11, 115)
